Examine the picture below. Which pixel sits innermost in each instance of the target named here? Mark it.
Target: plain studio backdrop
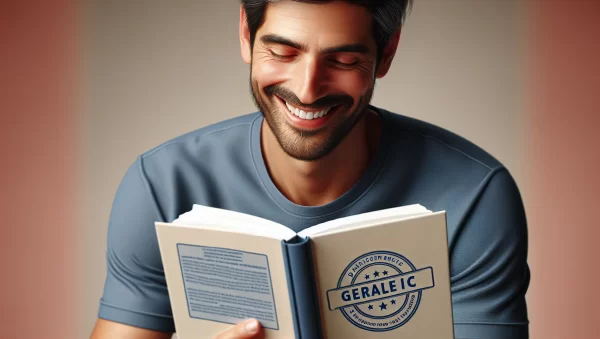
(159, 69)
(153, 70)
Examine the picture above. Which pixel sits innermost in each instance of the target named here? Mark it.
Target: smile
(306, 114)
(303, 118)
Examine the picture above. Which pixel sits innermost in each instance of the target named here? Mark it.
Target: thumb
(247, 329)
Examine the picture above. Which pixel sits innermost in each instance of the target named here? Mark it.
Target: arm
(105, 329)
(490, 274)
(135, 301)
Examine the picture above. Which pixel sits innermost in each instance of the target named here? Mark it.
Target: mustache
(290, 97)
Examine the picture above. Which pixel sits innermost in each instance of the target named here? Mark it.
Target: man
(318, 150)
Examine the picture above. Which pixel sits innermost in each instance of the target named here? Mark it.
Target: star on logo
(366, 276)
(370, 307)
(383, 306)
(393, 301)
(376, 274)
(385, 272)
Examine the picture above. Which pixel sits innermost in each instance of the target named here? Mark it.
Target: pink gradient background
(39, 151)
(563, 164)
(44, 281)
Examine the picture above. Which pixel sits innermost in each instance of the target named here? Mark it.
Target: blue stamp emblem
(380, 291)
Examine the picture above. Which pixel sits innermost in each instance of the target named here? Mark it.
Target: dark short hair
(388, 16)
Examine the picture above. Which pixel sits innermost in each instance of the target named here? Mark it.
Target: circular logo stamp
(380, 291)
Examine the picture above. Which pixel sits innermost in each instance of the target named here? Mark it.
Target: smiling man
(318, 150)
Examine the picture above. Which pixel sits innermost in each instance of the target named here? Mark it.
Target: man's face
(313, 73)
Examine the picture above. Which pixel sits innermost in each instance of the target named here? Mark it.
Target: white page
(221, 219)
(389, 214)
(370, 223)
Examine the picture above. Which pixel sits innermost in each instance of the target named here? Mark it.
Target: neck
(319, 182)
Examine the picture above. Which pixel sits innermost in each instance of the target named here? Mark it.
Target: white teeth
(307, 115)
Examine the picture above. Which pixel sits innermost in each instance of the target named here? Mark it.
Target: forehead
(322, 24)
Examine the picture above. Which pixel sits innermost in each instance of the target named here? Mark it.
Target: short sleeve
(135, 290)
(490, 274)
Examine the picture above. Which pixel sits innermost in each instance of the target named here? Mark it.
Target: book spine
(290, 282)
(302, 287)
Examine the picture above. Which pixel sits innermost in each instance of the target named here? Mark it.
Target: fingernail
(251, 326)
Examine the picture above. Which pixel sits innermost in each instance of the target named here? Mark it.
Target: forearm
(110, 330)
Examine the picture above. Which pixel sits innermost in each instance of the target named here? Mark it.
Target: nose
(310, 81)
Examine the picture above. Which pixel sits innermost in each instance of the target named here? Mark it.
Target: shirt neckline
(349, 198)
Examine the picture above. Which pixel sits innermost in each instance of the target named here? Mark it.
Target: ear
(245, 46)
(388, 55)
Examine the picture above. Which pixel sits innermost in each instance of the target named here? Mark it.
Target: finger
(249, 329)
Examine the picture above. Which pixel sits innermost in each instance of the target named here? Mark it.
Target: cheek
(269, 73)
(354, 83)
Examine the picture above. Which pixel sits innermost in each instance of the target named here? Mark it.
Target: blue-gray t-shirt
(417, 163)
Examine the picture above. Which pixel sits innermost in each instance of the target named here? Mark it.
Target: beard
(314, 144)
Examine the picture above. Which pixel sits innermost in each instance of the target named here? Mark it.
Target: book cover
(383, 274)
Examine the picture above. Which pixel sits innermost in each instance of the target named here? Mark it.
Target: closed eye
(345, 63)
(280, 56)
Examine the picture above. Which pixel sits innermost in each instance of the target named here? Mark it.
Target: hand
(249, 329)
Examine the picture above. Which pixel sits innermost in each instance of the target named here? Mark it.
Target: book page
(366, 224)
(216, 218)
(395, 213)
(387, 281)
(219, 278)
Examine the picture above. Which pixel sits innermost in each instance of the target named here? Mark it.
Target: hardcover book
(382, 274)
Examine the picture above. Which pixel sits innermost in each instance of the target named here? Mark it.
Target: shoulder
(449, 165)
(155, 187)
(455, 172)
(487, 226)
(218, 135)
(203, 150)
(452, 158)
(439, 139)
(482, 198)
(197, 165)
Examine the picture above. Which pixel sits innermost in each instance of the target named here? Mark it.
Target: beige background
(518, 77)
(157, 69)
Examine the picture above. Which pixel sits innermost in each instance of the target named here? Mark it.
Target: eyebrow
(347, 48)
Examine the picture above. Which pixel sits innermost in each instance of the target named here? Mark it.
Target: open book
(382, 274)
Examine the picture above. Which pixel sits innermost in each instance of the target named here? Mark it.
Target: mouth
(306, 114)
(309, 118)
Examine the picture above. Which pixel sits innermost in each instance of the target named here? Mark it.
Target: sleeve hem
(490, 331)
(145, 321)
